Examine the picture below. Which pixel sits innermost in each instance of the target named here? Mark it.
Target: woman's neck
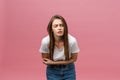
(59, 42)
(59, 39)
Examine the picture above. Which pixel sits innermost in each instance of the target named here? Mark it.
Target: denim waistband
(60, 65)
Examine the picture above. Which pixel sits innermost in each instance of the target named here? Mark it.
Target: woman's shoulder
(71, 38)
(45, 39)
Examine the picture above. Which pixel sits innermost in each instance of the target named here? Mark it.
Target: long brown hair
(52, 39)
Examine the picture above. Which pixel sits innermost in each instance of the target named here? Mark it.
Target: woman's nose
(59, 27)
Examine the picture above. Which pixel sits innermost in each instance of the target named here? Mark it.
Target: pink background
(95, 24)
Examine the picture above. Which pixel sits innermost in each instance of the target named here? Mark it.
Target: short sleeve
(44, 47)
(74, 47)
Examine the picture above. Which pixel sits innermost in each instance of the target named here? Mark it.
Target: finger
(44, 62)
(45, 59)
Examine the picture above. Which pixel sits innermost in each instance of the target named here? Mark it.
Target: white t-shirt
(59, 53)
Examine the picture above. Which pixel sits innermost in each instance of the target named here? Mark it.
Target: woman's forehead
(57, 21)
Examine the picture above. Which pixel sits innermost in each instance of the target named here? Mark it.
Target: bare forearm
(72, 59)
(48, 61)
(63, 62)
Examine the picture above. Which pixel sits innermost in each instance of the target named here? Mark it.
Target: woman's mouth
(59, 32)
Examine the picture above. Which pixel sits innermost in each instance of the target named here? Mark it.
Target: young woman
(59, 50)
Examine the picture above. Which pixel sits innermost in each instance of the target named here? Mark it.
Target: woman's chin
(60, 35)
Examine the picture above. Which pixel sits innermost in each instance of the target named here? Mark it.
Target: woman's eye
(61, 25)
(55, 26)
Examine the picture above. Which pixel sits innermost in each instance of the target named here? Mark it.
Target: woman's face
(58, 27)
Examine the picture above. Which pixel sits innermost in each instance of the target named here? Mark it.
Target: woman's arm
(46, 60)
(45, 55)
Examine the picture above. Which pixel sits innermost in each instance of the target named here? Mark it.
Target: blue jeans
(61, 72)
